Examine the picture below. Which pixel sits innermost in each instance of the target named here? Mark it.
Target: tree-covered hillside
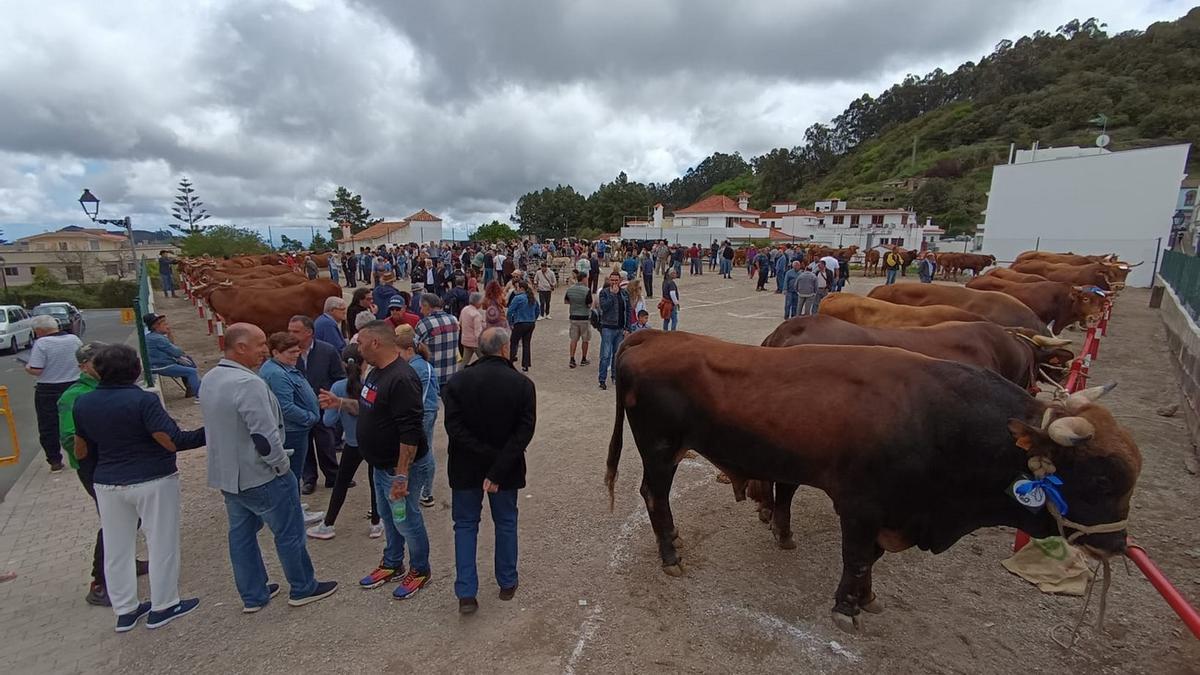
(930, 142)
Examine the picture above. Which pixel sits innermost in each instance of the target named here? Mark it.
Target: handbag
(665, 307)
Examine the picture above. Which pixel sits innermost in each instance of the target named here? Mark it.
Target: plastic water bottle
(399, 512)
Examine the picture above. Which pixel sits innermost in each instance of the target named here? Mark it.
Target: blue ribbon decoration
(1049, 485)
(1096, 290)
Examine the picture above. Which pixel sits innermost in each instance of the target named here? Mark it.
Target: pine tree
(348, 207)
(187, 209)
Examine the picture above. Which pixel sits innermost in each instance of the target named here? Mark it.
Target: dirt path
(593, 598)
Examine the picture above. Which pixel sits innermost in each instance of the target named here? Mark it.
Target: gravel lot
(593, 597)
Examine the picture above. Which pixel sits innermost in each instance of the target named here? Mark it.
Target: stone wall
(1183, 339)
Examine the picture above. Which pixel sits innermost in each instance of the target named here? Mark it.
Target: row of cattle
(915, 414)
(260, 290)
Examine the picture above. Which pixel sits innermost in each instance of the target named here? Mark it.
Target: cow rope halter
(1041, 468)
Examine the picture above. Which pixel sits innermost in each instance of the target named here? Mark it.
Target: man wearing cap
(166, 358)
(383, 294)
(399, 313)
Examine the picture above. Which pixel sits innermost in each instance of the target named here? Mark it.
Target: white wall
(1119, 202)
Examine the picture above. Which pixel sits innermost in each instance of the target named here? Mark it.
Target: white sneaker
(549, 317)
(376, 531)
(321, 531)
(312, 517)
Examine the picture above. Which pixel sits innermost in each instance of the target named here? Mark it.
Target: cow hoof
(764, 515)
(787, 544)
(875, 606)
(847, 624)
(722, 478)
(675, 570)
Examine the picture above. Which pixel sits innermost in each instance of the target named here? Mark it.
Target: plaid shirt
(439, 332)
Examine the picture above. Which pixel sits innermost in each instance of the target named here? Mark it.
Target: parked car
(69, 318)
(16, 328)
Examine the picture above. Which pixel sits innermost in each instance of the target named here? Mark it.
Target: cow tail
(614, 450)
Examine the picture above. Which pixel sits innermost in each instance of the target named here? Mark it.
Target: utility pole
(914, 151)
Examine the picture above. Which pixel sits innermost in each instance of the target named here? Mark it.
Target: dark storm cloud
(471, 45)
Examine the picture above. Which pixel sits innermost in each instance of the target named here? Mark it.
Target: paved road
(103, 325)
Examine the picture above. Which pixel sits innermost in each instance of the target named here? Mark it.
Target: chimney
(929, 222)
(743, 200)
(658, 215)
(345, 229)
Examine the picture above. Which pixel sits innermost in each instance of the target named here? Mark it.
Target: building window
(903, 218)
(75, 273)
(10, 271)
(111, 269)
(62, 245)
(839, 220)
(32, 271)
(877, 220)
(94, 244)
(854, 219)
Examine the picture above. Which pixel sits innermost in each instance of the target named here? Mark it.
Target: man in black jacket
(322, 366)
(491, 411)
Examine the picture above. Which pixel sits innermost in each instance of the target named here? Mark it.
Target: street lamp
(91, 208)
(4, 277)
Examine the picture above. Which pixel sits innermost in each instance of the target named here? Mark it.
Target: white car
(16, 328)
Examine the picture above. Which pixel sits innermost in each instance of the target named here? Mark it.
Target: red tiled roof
(425, 216)
(717, 204)
(799, 212)
(779, 235)
(751, 225)
(378, 230)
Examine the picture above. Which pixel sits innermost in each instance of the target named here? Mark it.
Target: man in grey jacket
(248, 464)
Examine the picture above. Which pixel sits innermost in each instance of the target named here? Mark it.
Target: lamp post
(91, 207)
(4, 276)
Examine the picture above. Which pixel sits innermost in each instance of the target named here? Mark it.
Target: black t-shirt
(390, 412)
(489, 261)
(668, 287)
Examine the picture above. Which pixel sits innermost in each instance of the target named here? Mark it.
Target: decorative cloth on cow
(1051, 564)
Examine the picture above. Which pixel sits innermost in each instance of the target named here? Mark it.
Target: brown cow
(279, 281)
(1069, 258)
(920, 458)
(1018, 358)
(999, 308)
(1057, 304)
(871, 312)
(270, 308)
(1012, 275)
(953, 263)
(1099, 275)
(871, 263)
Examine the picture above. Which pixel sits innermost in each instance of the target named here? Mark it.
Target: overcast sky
(455, 106)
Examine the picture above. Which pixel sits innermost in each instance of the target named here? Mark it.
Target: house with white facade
(420, 227)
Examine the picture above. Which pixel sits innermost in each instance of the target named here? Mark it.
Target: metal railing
(143, 304)
(1182, 273)
(7, 416)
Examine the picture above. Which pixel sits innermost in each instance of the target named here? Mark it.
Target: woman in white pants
(132, 440)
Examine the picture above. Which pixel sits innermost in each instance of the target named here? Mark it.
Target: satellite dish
(1102, 140)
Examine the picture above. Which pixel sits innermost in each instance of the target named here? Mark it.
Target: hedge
(107, 294)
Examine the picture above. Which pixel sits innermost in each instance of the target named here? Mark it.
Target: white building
(1086, 201)
(419, 228)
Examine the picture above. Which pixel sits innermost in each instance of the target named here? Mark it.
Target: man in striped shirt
(438, 331)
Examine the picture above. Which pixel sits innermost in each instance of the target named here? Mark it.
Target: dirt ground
(593, 597)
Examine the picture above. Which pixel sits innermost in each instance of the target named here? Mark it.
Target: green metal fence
(143, 304)
(1182, 273)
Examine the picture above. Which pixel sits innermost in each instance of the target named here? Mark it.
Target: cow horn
(1141, 263)
(1070, 431)
(1085, 396)
(1050, 342)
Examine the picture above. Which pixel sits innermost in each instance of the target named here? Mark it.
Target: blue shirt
(126, 453)
(297, 401)
(429, 383)
(331, 417)
(382, 294)
(521, 310)
(326, 329)
(161, 350)
(648, 266)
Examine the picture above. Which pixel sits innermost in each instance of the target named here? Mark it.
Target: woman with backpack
(546, 283)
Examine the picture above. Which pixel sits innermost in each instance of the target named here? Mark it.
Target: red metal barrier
(1076, 380)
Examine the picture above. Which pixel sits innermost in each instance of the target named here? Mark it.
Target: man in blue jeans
(491, 412)
(391, 438)
(614, 325)
(248, 464)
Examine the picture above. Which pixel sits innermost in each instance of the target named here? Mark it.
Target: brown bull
(1069, 258)
(920, 459)
(1100, 275)
(871, 312)
(270, 308)
(998, 308)
(1018, 358)
(1057, 304)
(279, 281)
(954, 263)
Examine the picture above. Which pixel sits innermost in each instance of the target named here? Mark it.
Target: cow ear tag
(1032, 498)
